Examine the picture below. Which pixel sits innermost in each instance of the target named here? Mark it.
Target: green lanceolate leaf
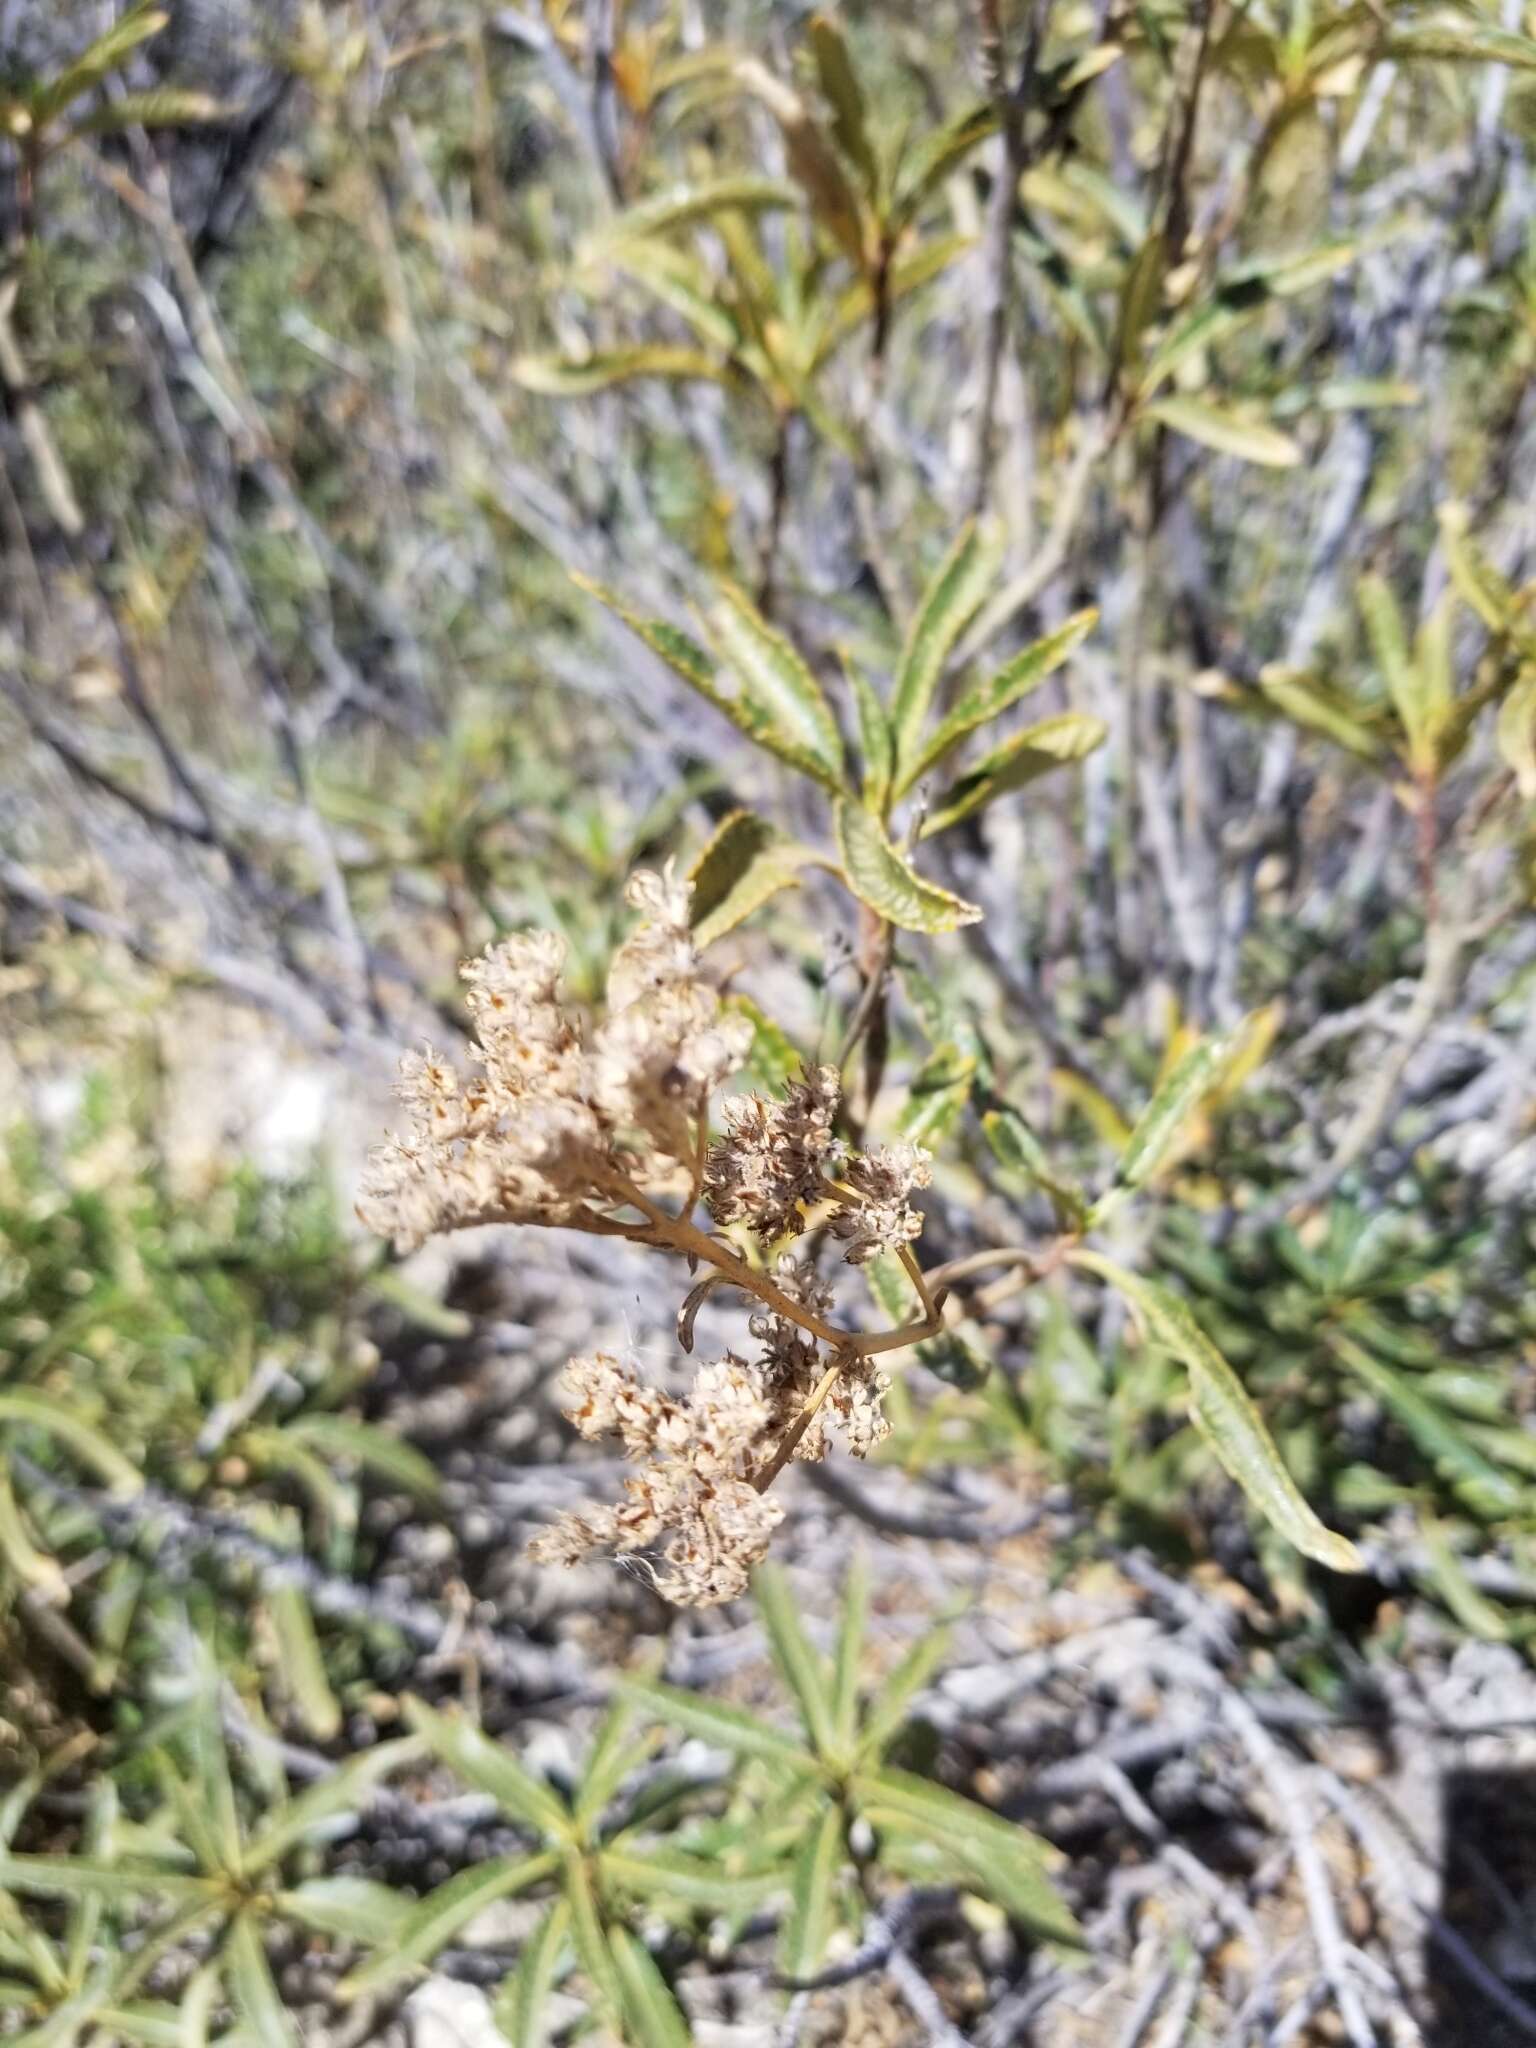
(1411, 691)
(28, 1409)
(1515, 733)
(850, 1649)
(939, 1091)
(685, 204)
(655, 2019)
(109, 50)
(1015, 679)
(490, 1767)
(439, 1916)
(303, 1661)
(951, 601)
(844, 95)
(346, 1790)
(713, 1721)
(590, 1938)
(745, 863)
(1463, 42)
(263, 2017)
(519, 2008)
(1485, 1489)
(1307, 702)
(800, 1663)
(80, 1877)
(652, 1873)
(376, 1450)
(352, 1908)
(1158, 1127)
(877, 742)
(1018, 1151)
(884, 879)
(1226, 1417)
(581, 376)
(1228, 432)
(1038, 750)
(773, 675)
(687, 659)
(1480, 584)
(886, 1714)
(614, 1754)
(812, 1895)
(926, 168)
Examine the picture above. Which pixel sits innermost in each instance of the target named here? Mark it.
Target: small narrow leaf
(684, 204)
(1399, 671)
(655, 2020)
(652, 1873)
(1038, 750)
(1462, 42)
(375, 1449)
(877, 742)
(590, 1937)
(490, 1767)
(746, 862)
(1515, 732)
(684, 656)
(1229, 433)
(263, 2017)
(844, 95)
(439, 1916)
(713, 1721)
(817, 1869)
(1304, 700)
(881, 877)
(351, 1908)
(1015, 679)
(303, 1662)
(581, 376)
(1481, 585)
(886, 1715)
(800, 1664)
(953, 597)
(1226, 1417)
(850, 1649)
(29, 1409)
(774, 675)
(926, 168)
(346, 1790)
(1158, 1127)
(519, 2007)
(938, 1093)
(1485, 1489)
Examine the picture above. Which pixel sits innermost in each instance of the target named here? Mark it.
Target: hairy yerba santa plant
(608, 1131)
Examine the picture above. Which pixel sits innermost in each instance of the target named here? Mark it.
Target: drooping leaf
(747, 711)
(1015, 679)
(655, 2019)
(746, 862)
(884, 879)
(435, 1920)
(1457, 39)
(1226, 1417)
(774, 675)
(519, 2007)
(1228, 432)
(812, 1896)
(953, 596)
(1037, 750)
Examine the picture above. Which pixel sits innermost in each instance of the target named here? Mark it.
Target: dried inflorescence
(553, 1128)
(696, 1458)
(586, 1130)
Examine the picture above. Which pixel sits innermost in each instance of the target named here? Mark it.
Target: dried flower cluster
(552, 1129)
(586, 1131)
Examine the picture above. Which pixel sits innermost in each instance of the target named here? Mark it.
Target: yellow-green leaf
(1460, 41)
(579, 377)
(303, 1662)
(1158, 1127)
(1228, 432)
(746, 862)
(844, 95)
(655, 2020)
(951, 600)
(1415, 694)
(940, 1089)
(29, 1409)
(684, 204)
(519, 2008)
(1040, 748)
(774, 676)
(812, 1895)
(1307, 702)
(877, 742)
(1015, 679)
(884, 879)
(1516, 733)
(439, 1916)
(1225, 1416)
(264, 2019)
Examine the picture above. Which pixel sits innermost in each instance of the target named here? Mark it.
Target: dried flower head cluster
(589, 1130)
(551, 1126)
